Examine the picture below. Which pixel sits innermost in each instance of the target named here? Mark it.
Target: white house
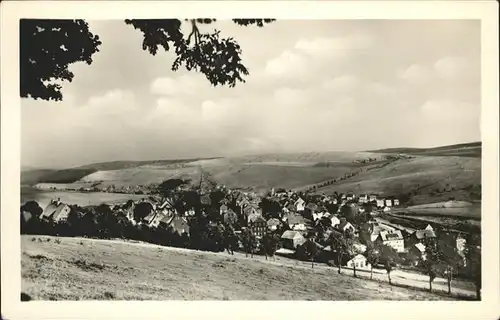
(335, 221)
(363, 198)
(344, 226)
(395, 202)
(380, 203)
(300, 205)
(392, 239)
(358, 261)
(388, 202)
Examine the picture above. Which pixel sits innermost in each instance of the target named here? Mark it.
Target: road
(398, 277)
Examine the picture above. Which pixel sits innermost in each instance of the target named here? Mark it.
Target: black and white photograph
(254, 159)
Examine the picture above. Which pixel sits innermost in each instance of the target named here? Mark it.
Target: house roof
(420, 247)
(312, 206)
(343, 224)
(273, 222)
(388, 236)
(358, 257)
(179, 224)
(256, 218)
(294, 219)
(421, 234)
(290, 234)
(249, 209)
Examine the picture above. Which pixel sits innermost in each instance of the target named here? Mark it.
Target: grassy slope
(422, 173)
(472, 149)
(107, 270)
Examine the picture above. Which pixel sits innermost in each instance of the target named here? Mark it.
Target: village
(341, 230)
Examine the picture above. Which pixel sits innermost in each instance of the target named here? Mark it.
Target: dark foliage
(48, 47)
(46, 50)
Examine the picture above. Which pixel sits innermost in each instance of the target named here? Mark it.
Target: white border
(11, 12)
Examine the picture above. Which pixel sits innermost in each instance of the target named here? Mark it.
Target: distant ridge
(471, 149)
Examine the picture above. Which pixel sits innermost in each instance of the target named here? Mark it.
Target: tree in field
(451, 260)
(48, 47)
(230, 239)
(270, 243)
(342, 244)
(249, 242)
(473, 258)
(390, 259)
(310, 250)
(372, 256)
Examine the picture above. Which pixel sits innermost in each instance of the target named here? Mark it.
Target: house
(358, 261)
(343, 196)
(56, 211)
(311, 208)
(350, 196)
(388, 202)
(419, 236)
(292, 239)
(372, 197)
(395, 202)
(230, 217)
(392, 239)
(345, 225)
(175, 223)
(363, 198)
(295, 222)
(380, 203)
(416, 252)
(223, 209)
(258, 226)
(299, 205)
(250, 210)
(273, 224)
(386, 209)
(335, 221)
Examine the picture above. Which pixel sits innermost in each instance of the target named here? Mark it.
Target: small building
(380, 203)
(363, 198)
(350, 196)
(292, 239)
(388, 202)
(56, 211)
(358, 261)
(295, 222)
(392, 239)
(335, 220)
(417, 252)
(175, 223)
(395, 202)
(299, 205)
(230, 217)
(345, 225)
(223, 209)
(273, 224)
(372, 197)
(258, 226)
(419, 236)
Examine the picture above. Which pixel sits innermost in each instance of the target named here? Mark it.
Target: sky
(314, 85)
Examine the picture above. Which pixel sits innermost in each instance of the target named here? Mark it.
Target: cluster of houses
(294, 219)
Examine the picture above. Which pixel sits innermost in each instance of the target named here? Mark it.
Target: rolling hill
(472, 149)
(428, 175)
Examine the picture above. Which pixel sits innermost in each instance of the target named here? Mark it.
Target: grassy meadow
(82, 269)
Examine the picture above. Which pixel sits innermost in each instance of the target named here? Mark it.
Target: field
(432, 179)
(431, 175)
(79, 198)
(83, 269)
(463, 150)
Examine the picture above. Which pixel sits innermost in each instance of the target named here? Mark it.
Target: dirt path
(398, 277)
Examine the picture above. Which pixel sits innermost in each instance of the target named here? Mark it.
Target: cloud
(341, 83)
(188, 84)
(333, 47)
(414, 73)
(286, 64)
(451, 67)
